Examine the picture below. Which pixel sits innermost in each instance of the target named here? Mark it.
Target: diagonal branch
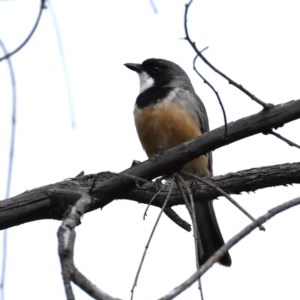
(290, 143)
(234, 240)
(223, 193)
(208, 63)
(37, 204)
(172, 160)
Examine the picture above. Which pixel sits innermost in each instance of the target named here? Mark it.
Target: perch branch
(36, 204)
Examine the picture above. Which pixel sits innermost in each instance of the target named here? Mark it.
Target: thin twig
(185, 199)
(169, 212)
(64, 64)
(234, 240)
(149, 240)
(222, 192)
(214, 90)
(30, 34)
(151, 200)
(197, 238)
(10, 163)
(289, 142)
(152, 3)
(199, 53)
(190, 205)
(177, 219)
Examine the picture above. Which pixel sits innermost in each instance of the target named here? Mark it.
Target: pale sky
(254, 42)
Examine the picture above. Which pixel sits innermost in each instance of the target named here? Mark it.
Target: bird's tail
(209, 232)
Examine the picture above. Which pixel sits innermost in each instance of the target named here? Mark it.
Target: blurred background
(74, 112)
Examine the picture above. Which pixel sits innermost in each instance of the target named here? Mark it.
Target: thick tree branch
(172, 160)
(232, 183)
(38, 203)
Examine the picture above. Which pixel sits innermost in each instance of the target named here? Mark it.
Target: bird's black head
(160, 73)
(158, 78)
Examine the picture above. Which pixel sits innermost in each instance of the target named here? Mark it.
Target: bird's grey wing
(204, 124)
(201, 114)
(190, 101)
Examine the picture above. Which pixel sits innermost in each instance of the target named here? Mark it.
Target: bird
(168, 112)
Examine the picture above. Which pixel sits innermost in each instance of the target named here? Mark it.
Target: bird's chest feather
(161, 127)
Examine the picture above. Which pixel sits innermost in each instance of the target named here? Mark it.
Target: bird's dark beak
(134, 67)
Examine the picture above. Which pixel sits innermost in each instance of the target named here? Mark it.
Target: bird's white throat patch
(146, 81)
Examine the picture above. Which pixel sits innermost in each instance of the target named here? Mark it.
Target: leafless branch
(150, 238)
(214, 90)
(289, 142)
(223, 193)
(154, 8)
(10, 164)
(152, 199)
(234, 240)
(42, 6)
(37, 204)
(64, 63)
(190, 205)
(172, 160)
(66, 239)
(207, 62)
(177, 219)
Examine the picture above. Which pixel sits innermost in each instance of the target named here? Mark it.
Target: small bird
(167, 113)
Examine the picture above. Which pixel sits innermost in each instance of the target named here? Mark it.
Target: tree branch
(66, 240)
(172, 160)
(234, 240)
(208, 63)
(38, 204)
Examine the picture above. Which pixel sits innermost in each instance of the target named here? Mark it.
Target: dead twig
(197, 238)
(66, 240)
(169, 212)
(200, 54)
(190, 205)
(289, 142)
(215, 92)
(177, 219)
(234, 240)
(149, 240)
(222, 192)
(151, 201)
(11, 53)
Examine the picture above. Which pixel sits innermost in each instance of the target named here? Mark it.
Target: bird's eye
(156, 69)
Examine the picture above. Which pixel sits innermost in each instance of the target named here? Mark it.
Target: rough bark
(52, 201)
